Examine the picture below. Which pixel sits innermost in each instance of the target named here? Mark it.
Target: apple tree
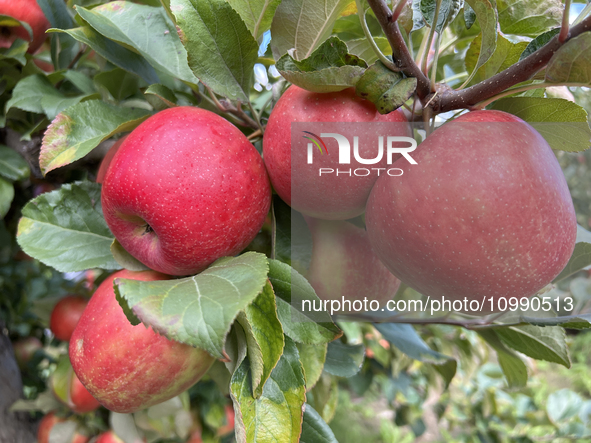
(195, 265)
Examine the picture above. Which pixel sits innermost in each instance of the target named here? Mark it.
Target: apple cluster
(484, 211)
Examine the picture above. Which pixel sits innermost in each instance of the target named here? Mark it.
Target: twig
(398, 10)
(369, 37)
(237, 111)
(563, 35)
(400, 52)
(430, 39)
(519, 72)
(255, 134)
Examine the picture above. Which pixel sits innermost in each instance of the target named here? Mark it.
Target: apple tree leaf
(12, 165)
(8, 21)
(66, 229)
(312, 358)
(579, 321)
(221, 50)
(448, 10)
(512, 366)
(538, 42)
(114, 52)
(125, 259)
(300, 26)
(146, 29)
(17, 52)
(486, 14)
(292, 240)
(561, 122)
(198, 310)
(548, 343)
(256, 14)
(276, 416)
(163, 93)
(581, 257)
(264, 337)
(529, 18)
(118, 83)
(570, 63)
(344, 360)
(324, 397)
(362, 49)
(295, 297)
(330, 68)
(315, 429)
(79, 129)
(6, 196)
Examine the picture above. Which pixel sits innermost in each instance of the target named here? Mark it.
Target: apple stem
(563, 35)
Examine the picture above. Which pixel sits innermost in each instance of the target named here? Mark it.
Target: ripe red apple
(82, 401)
(25, 348)
(48, 422)
(65, 316)
(68, 389)
(108, 437)
(27, 11)
(343, 265)
(299, 184)
(100, 175)
(485, 213)
(125, 367)
(185, 188)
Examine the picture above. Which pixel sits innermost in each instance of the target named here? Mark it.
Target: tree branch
(448, 100)
(400, 52)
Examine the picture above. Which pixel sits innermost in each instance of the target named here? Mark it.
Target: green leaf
(113, 52)
(198, 310)
(312, 358)
(506, 54)
(362, 49)
(547, 343)
(314, 429)
(538, 42)
(256, 14)
(12, 165)
(302, 25)
(63, 47)
(292, 240)
(222, 52)
(563, 405)
(581, 257)
(8, 21)
(469, 16)
(146, 29)
(388, 90)
(163, 93)
(448, 10)
(6, 196)
(570, 63)
(330, 68)
(264, 337)
(80, 128)
(118, 83)
(344, 360)
(561, 122)
(513, 367)
(529, 18)
(66, 229)
(486, 14)
(292, 289)
(17, 51)
(275, 417)
(417, 16)
(325, 396)
(125, 259)
(56, 13)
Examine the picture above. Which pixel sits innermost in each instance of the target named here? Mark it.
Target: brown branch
(448, 100)
(400, 52)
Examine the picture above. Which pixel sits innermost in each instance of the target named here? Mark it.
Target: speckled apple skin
(27, 11)
(65, 316)
(298, 183)
(104, 167)
(81, 400)
(125, 367)
(486, 212)
(196, 180)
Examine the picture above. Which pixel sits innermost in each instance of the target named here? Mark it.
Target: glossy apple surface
(65, 316)
(343, 265)
(27, 11)
(185, 188)
(125, 367)
(82, 401)
(486, 212)
(299, 183)
(102, 171)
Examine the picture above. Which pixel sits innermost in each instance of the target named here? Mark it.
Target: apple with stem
(185, 188)
(486, 213)
(65, 316)
(126, 367)
(336, 195)
(27, 11)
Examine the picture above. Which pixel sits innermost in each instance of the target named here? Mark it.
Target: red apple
(125, 367)
(25, 348)
(108, 437)
(27, 11)
(485, 213)
(100, 175)
(299, 184)
(66, 387)
(65, 316)
(46, 425)
(82, 401)
(344, 267)
(185, 188)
